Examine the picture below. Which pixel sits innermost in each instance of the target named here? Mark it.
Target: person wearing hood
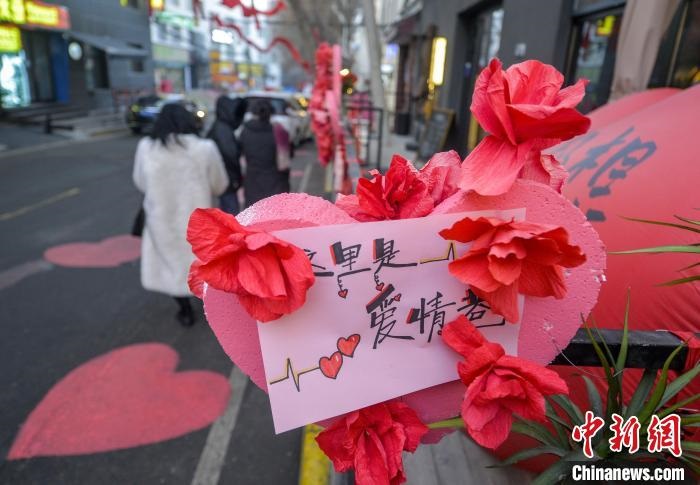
(229, 116)
(264, 176)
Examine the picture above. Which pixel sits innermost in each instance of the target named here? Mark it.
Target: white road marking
(5, 216)
(305, 178)
(17, 273)
(213, 455)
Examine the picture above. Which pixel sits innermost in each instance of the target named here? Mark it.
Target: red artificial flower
(371, 441)
(400, 194)
(441, 175)
(511, 257)
(498, 385)
(270, 276)
(524, 110)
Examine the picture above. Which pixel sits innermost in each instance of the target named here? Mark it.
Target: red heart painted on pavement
(347, 346)
(131, 396)
(108, 253)
(331, 367)
(343, 293)
(380, 287)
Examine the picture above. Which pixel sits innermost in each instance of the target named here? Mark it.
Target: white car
(286, 111)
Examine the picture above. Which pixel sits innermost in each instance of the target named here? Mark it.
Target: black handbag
(139, 222)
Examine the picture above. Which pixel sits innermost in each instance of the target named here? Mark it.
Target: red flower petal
(467, 229)
(462, 336)
(493, 166)
(208, 231)
(489, 102)
(473, 270)
(503, 301)
(441, 174)
(542, 280)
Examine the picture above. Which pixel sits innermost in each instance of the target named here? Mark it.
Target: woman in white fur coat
(178, 172)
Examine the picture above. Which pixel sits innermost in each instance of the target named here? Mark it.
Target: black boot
(185, 314)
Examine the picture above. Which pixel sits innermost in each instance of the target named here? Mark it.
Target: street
(86, 302)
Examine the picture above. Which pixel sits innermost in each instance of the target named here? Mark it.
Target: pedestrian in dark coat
(229, 116)
(258, 146)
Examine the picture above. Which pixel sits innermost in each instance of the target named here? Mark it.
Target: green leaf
(554, 474)
(689, 463)
(571, 409)
(552, 415)
(536, 431)
(680, 281)
(653, 403)
(594, 398)
(641, 393)
(531, 453)
(689, 267)
(689, 221)
(679, 382)
(690, 419)
(678, 405)
(622, 356)
(662, 249)
(662, 223)
(690, 445)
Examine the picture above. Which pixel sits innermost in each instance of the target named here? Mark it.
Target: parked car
(286, 111)
(143, 113)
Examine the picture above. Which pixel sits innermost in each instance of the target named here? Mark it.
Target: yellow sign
(604, 26)
(10, 39)
(34, 13)
(157, 5)
(42, 14)
(13, 11)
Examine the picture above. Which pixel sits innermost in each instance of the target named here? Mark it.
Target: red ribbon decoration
(296, 55)
(254, 12)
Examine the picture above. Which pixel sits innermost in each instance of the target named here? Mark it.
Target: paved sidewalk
(20, 136)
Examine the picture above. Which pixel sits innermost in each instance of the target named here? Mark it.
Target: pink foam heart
(128, 397)
(108, 253)
(547, 324)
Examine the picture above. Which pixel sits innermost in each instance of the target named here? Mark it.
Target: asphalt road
(55, 319)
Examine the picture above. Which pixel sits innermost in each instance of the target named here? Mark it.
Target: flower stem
(448, 423)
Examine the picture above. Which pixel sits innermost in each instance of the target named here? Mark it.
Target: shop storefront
(33, 53)
(172, 69)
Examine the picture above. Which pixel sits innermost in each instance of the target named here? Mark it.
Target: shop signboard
(10, 39)
(34, 13)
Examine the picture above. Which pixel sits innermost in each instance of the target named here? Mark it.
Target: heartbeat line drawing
(290, 372)
(329, 366)
(449, 256)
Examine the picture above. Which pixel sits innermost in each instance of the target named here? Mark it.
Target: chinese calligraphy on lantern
(384, 289)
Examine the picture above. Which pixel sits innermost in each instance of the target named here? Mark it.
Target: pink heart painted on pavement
(108, 253)
(128, 397)
(547, 325)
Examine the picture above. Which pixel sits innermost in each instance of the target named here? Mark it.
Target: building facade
(87, 54)
(578, 37)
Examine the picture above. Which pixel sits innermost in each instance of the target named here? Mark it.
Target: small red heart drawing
(347, 346)
(108, 253)
(397, 297)
(380, 286)
(331, 367)
(343, 293)
(129, 397)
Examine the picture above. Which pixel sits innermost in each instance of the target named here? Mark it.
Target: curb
(61, 143)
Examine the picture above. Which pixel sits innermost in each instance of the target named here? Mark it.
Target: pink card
(370, 329)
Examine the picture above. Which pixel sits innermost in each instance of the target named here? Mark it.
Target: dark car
(143, 113)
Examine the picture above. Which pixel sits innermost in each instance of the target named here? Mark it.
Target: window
(593, 55)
